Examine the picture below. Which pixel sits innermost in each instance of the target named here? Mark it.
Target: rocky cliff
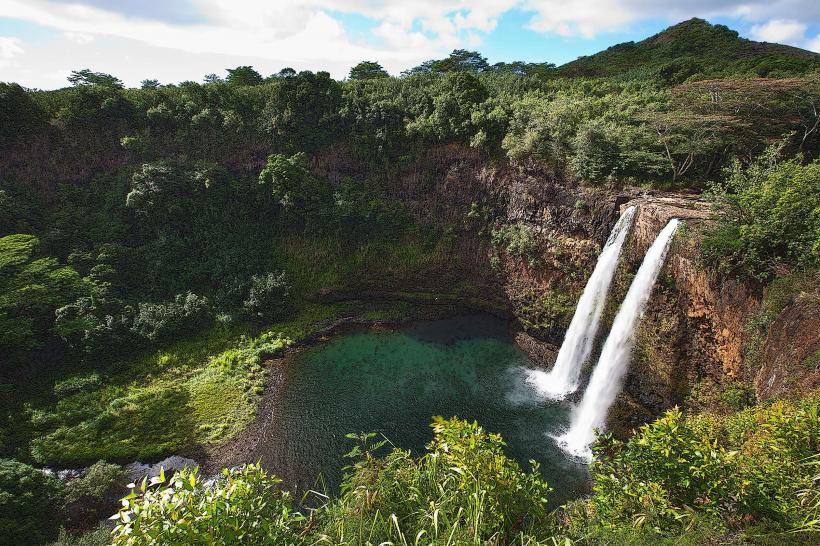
(526, 237)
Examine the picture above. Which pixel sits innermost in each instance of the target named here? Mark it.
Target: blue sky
(42, 41)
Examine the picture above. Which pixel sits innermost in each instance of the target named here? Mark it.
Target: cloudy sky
(42, 41)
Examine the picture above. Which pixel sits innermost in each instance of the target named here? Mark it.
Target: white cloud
(588, 18)
(301, 31)
(311, 34)
(779, 30)
(579, 17)
(813, 44)
(78, 37)
(10, 47)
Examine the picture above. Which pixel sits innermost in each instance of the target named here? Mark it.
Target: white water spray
(577, 345)
(609, 372)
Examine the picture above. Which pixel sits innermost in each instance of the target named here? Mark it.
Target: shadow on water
(393, 382)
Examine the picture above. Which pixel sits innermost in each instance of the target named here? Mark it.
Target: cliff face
(527, 237)
(702, 329)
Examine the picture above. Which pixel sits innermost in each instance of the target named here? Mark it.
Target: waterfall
(577, 345)
(615, 356)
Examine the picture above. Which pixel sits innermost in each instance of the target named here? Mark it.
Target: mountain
(695, 49)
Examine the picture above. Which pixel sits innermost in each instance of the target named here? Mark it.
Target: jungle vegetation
(157, 245)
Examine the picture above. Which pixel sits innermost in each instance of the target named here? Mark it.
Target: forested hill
(694, 49)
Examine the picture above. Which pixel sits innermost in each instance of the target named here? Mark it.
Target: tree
(596, 154)
(268, 294)
(303, 110)
(211, 78)
(286, 72)
(30, 502)
(766, 217)
(243, 75)
(31, 289)
(186, 313)
(19, 114)
(457, 96)
(291, 184)
(87, 77)
(460, 60)
(520, 68)
(149, 84)
(368, 70)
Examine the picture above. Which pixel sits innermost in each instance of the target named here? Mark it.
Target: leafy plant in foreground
(246, 506)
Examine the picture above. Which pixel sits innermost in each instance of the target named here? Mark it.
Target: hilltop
(695, 48)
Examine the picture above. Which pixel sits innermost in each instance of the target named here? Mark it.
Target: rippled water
(393, 382)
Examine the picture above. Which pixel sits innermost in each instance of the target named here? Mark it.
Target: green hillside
(695, 49)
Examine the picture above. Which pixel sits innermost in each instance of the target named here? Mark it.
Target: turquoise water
(393, 382)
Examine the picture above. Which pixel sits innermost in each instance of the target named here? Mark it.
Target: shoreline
(241, 448)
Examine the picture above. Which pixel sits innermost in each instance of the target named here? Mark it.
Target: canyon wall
(526, 237)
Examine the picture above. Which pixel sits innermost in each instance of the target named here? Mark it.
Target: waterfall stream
(577, 345)
(608, 375)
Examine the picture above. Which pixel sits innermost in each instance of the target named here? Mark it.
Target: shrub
(268, 295)
(30, 502)
(187, 313)
(77, 383)
(93, 496)
(100, 536)
(766, 216)
(517, 240)
(465, 490)
(246, 507)
(753, 466)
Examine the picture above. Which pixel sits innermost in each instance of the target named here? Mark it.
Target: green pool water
(393, 382)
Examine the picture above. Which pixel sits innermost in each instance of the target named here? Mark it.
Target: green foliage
(597, 152)
(246, 507)
(766, 217)
(463, 491)
(101, 536)
(185, 314)
(447, 114)
(291, 184)
(92, 496)
(517, 240)
(749, 467)
(76, 383)
(88, 77)
(368, 70)
(268, 295)
(460, 60)
(20, 116)
(30, 503)
(243, 75)
(302, 111)
(31, 289)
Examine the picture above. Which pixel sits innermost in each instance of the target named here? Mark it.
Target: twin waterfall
(577, 346)
(608, 375)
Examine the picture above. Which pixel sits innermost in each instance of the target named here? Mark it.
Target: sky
(42, 41)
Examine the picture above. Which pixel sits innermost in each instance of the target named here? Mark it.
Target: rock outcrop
(525, 237)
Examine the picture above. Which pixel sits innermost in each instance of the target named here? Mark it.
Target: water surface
(392, 382)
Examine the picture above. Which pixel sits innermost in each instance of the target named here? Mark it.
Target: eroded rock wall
(527, 237)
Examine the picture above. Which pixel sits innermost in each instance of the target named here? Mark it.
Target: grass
(196, 392)
(203, 390)
(199, 391)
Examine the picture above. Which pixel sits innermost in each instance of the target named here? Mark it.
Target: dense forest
(159, 245)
